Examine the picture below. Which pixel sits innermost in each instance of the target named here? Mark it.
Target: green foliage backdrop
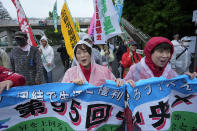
(161, 17)
(55, 38)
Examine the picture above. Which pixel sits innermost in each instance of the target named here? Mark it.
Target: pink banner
(91, 28)
(23, 23)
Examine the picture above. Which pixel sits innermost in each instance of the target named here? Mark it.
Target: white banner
(62, 107)
(106, 21)
(73, 115)
(164, 104)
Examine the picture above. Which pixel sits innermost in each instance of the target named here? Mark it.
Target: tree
(4, 13)
(54, 37)
(161, 17)
(50, 15)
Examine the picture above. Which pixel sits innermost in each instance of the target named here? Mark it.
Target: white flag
(106, 21)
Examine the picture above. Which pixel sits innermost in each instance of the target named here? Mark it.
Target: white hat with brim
(186, 38)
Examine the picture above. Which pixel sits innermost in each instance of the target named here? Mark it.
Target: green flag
(55, 16)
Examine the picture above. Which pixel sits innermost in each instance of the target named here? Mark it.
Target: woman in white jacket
(181, 58)
(47, 55)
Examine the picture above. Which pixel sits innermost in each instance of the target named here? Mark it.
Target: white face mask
(186, 44)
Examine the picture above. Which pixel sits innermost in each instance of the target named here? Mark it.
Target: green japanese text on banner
(106, 23)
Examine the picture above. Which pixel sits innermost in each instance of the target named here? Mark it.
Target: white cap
(185, 38)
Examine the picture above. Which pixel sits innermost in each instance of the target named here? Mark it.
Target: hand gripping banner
(156, 104)
(163, 104)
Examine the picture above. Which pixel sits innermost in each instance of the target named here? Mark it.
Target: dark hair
(162, 47)
(21, 34)
(96, 47)
(83, 47)
(176, 36)
(20, 38)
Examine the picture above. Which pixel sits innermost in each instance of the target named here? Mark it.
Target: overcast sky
(41, 8)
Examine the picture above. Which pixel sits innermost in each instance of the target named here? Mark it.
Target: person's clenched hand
(119, 82)
(5, 85)
(191, 75)
(78, 81)
(131, 82)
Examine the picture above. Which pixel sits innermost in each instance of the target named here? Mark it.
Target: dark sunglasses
(19, 38)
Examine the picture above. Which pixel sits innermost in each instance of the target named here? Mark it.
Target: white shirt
(47, 57)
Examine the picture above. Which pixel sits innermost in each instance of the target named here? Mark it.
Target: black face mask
(20, 41)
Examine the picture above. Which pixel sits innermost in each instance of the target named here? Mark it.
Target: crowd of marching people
(93, 64)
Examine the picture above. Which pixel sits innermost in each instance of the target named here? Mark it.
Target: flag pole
(37, 42)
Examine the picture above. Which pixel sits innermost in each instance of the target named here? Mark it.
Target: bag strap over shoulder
(181, 53)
